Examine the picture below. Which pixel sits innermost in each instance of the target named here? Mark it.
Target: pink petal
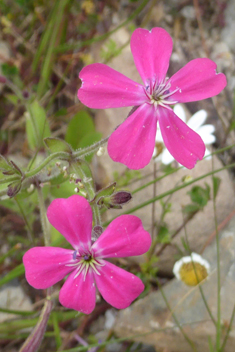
(102, 88)
(124, 237)
(185, 145)
(118, 287)
(151, 52)
(72, 217)
(45, 266)
(196, 81)
(79, 293)
(132, 143)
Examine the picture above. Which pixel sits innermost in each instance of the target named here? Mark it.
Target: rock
(13, 297)
(202, 225)
(188, 12)
(149, 319)
(229, 29)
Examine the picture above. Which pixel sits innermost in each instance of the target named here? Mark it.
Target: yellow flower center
(193, 273)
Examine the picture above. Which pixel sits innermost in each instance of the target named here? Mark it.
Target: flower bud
(116, 200)
(120, 197)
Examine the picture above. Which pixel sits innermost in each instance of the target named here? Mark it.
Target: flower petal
(72, 217)
(167, 158)
(151, 52)
(79, 293)
(207, 155)
(118, 287)
(197, 120)
(45, 266)
(124, 237)
(132, 143)
(185, 145)
(196, 81)
(103, 87)
(206, 134)
(180, 112)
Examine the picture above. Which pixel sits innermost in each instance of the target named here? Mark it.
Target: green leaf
(63, 190)
(55, 235)
(61, 112)
(216, 183)
(37, 126)
(80, 125)
(57, 145)
(9, 70)
(88, 140)
(107, 191)
(12, 98)
(4, 164)
(200, 195)
(163, 235)
(191, 208)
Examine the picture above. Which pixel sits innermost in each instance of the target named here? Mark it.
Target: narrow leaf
(4, 164)
(35, 338)
(216, 184)
(37, 126)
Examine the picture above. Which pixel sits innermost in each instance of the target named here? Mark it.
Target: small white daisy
(191, 269)
(196, 123)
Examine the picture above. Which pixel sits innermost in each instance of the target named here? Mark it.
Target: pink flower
(132, 143)
(86, 263)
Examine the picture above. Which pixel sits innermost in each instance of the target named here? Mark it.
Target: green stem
(30, 232)
(44, 220)
(89, 188)
(35, 129)
(92, 148)
(191, 343)
(196, 274)
(228, 330)
(218, 327)
(54, 156)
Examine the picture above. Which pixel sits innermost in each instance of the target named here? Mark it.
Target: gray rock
(229, 29)
(202, 225)
(13, 297)
(150, 320)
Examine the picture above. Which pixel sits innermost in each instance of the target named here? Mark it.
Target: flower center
(193, 273)
(83, 262)
(159, 93)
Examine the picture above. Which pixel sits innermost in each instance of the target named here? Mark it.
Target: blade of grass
(10, 252)
(55, 27)
(45, 39)
(16, 272)
(66, 47)
(56, 330)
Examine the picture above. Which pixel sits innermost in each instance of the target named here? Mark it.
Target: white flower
(191, 269)
(196, 123)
